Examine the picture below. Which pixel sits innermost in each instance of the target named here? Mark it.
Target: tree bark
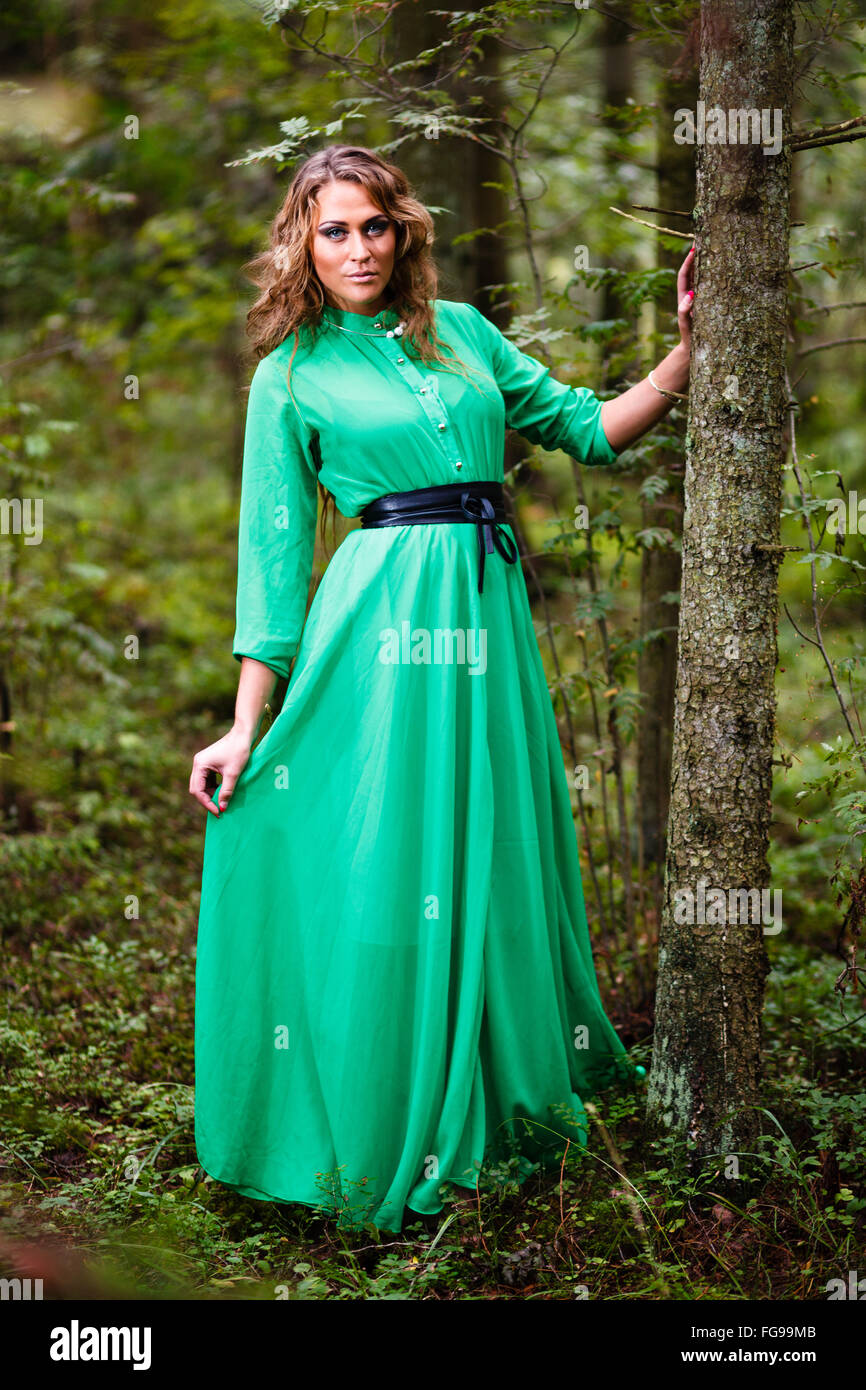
(705, 1077)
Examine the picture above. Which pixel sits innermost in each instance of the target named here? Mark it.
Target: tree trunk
(705, 1075)
(450, 171)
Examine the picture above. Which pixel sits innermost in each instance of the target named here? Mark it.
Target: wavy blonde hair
(292, 297)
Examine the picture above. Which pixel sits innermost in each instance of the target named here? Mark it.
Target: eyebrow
(336, 222)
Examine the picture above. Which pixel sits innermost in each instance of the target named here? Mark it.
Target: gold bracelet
(671, 395)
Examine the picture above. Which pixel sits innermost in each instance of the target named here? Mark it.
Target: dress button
(441, 424)
(377, 325)
(401, 359)
(459, 463)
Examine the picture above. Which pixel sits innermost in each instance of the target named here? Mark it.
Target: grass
(99, 1166)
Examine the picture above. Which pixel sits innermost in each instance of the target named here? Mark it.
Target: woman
(394, 978)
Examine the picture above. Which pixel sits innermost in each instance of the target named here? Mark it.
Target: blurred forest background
(144, 151)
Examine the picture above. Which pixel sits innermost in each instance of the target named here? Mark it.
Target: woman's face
(353, 248)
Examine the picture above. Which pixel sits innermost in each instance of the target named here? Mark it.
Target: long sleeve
(276, 533)
(546, 411)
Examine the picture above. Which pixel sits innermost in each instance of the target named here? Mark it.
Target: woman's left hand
(686, 299)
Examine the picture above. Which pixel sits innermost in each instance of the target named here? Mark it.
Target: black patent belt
(479, 503)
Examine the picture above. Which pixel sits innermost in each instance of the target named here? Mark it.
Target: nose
(358, 250)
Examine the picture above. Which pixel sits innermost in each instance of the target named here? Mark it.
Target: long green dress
(394, 981)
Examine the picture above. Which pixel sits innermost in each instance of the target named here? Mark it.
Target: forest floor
(102, 1192)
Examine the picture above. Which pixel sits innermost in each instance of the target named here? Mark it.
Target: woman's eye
(371, 229)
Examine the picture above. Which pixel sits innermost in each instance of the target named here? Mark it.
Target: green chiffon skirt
(394, 980)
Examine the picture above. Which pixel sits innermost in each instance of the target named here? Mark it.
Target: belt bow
(488, 530)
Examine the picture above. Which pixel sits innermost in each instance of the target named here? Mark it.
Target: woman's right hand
(228, 756)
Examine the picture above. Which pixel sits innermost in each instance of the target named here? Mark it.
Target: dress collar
(374, 324)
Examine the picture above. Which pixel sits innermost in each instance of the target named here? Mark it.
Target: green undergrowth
(98, 1157)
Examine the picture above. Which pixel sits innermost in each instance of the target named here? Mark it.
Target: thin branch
(677, 34)
(539, 89)
(833, 342)
(620, 19)
(812, 44)
(528, 557)
(666, 212)
(830, 134)
(818, 640)
(828, 308)
(40, 354)
(832, 129)
(831, 140)
(669, 231)
(616, 741)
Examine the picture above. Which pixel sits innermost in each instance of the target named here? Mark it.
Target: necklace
(396, 332)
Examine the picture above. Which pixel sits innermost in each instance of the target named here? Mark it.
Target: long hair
(292, 297)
